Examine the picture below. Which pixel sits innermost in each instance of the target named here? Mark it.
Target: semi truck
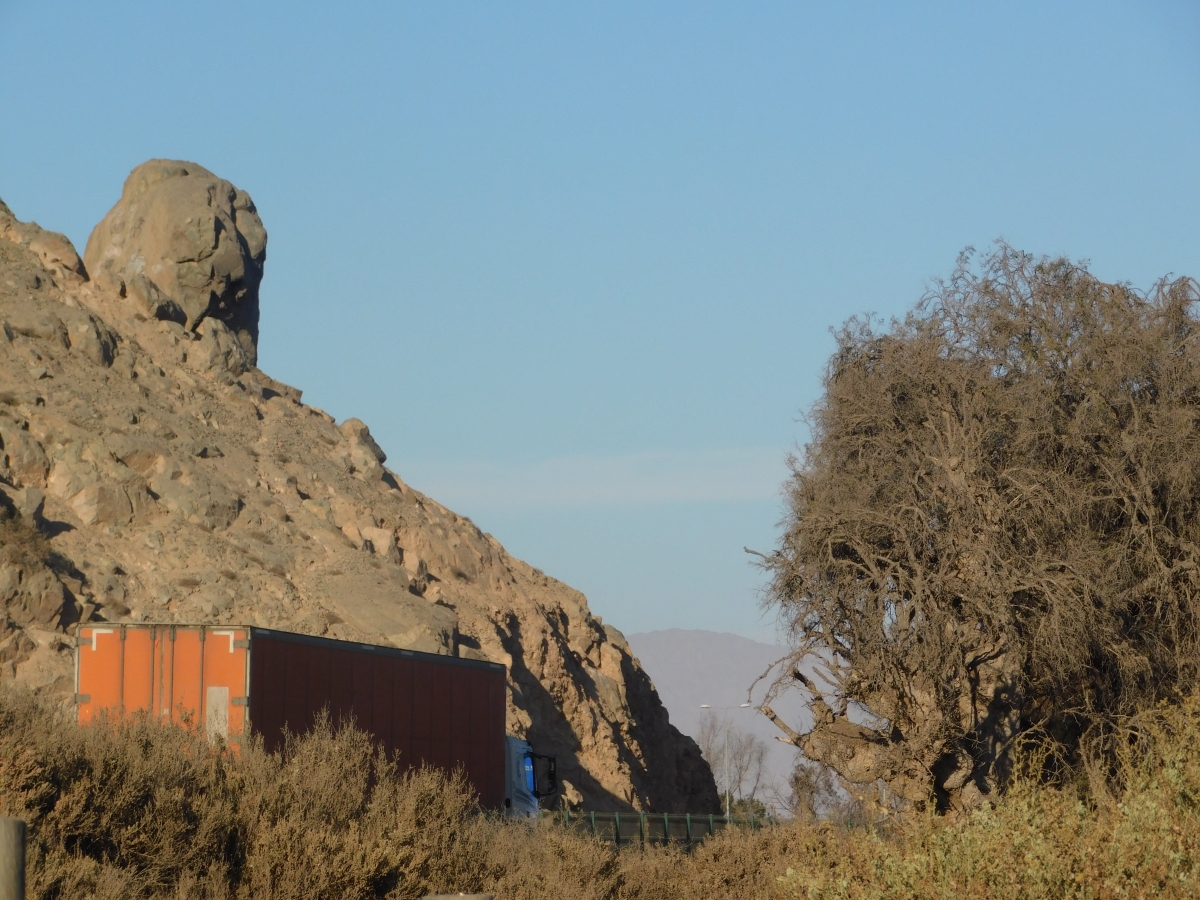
(231, 680)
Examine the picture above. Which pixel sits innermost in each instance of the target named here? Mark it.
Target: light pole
(725, 757)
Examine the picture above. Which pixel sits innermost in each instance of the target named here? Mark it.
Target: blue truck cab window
(529, 782)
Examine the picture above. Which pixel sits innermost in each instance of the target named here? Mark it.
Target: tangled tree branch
(995, 526)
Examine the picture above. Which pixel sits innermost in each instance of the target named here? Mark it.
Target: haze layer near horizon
(576, 266)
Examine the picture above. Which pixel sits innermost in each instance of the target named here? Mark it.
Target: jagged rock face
(165, 478)
(182, 244)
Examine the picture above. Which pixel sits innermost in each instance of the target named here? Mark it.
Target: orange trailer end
(176, 673)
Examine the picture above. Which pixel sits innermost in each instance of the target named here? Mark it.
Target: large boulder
(183, 244)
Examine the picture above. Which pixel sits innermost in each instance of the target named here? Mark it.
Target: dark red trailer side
(440, 710)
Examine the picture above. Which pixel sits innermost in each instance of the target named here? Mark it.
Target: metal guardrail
(653, 829)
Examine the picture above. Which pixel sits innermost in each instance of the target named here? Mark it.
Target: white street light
(725, 756)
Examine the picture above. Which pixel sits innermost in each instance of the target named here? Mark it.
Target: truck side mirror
(545, 777)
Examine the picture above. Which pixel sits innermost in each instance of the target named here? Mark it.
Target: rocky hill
(150, 472)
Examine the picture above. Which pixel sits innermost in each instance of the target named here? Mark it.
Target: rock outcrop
(150, 472)
(183, 245)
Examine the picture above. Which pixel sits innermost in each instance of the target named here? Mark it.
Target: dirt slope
(149, 472)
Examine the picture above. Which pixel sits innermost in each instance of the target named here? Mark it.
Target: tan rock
(571, 798)
(103, 504)
(23, 460)
(184, 489)
(319, 508)
(32, 595)
(151, 302)
(382, 541)
(366, 457)
(52, 249)
(217, 350)
(359, 435)
(194, 237)
(424, 638)
(31, 504)
(414, 566)
(36, 321)
(88, 336)
(71, 473)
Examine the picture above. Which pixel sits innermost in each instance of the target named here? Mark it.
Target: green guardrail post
(689, 830)
(617, 827)
(593, 823)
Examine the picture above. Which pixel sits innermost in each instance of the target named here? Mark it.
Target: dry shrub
(737, 862)
(1040, 842)
(332, 817)
(132, 809)
(544, 861)
(115, 810)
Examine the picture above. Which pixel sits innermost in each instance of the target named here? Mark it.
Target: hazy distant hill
(692, 667)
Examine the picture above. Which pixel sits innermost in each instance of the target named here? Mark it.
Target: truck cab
(528, 777)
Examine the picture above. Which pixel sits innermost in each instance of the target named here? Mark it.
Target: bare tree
(811, 791)
(995, 531)
(737, 758)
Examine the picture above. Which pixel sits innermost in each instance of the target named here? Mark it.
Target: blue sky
(576, 264)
